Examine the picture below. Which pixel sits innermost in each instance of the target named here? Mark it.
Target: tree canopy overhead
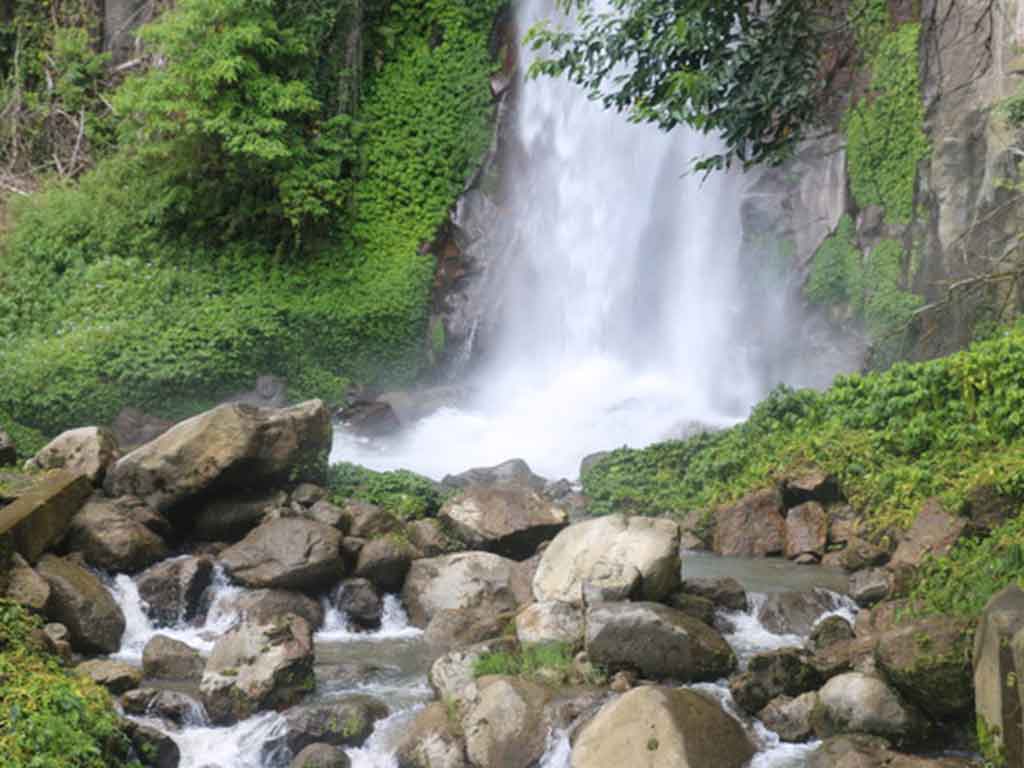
(752, 72)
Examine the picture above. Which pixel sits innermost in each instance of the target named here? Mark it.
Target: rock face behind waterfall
(233, 446)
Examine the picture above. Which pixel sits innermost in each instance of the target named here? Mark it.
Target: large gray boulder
(361, 603)
(172, 591)
(345, 722)
(860, 703)
(265, 606)
(997, 668)
(613, 550)
(385, 561)
(165, 658)
(507, 725)
(232, 447)
(656, 640)
(112, 541)
(38, 519)
(514, 473)
(467, 580)
(434, 740)
(88, 451)
(287, 553)
(79, 601)
(256, 667)
(550, 622)
(511, 522)
(794, 612)
(655, 727)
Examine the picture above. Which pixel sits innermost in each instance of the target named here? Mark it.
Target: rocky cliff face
(919, 285)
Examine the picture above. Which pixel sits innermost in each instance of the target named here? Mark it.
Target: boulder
(171, 706)
(330, 514)
(429, 538)
(231, 518)
(550, 622)
(790, 718)
(88, 451)
(265, 606)
(699, 608)
(725, 592)
(434, 740)
(308, 494)
(8, 451)
(793, 613)
(655, 727)
(385, 561)
(345, 722)
(806, 530)
(511, 522)
(79, 601)
(165, 658)
(857, 655)
(752, 527)
(112, 541)
(464, 626)
(784, 672)
(370, 418)
(834, 629)
(461, 581)
(860, 751)
(320, 756)
(39, 518)
(256, 667)
(366, 521)
(26, 587)
(656, 640)
(870, 586)
(157, 749)
(452, 678)
(287, 553)
(934, 532)
(142, 513)
(360, 602)
(172, 591)
(857, 554)
(859, 703)
(58, 640)
(996, 691)
(928, 662)
(115, 676)
(514, 473)
(507, 725)
(809, 484)
(609, 550)
(232, 447)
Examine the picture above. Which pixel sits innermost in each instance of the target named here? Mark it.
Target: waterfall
(614, 292)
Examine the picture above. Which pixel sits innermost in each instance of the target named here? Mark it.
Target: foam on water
(394, 624)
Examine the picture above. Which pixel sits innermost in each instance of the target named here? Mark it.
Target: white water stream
(615, 290)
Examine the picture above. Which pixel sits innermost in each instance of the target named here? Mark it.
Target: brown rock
(112, 675)
(112, 541)
(287, 553)
(88, 451)
(724, 592)
(38, 519)
(434, 740)
(857, 554)
(511, 522)
(934, 532)
(385, 561)
(165, 658)
(321, 756)
(265, 606)
(79, 601)
(367, 521)
(462, 581)
(231, 518)
(785, 672)
(26, 587)
(806, 530)
(172, 590)
(790, 718)
(429, 538)
(811, 484)
(752, 527)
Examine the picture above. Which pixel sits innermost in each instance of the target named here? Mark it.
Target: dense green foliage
(836, 272)
(263, 235)
(885, 130)
(403, 493)
(892, 439)
(528, 661)
(49, 717)
(750, 73)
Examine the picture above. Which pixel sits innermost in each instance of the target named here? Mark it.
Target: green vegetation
(404, 494)
(530, 661)
(885, 130)
(836, 272)
(892, 439)
(246, 223)
(49, 717)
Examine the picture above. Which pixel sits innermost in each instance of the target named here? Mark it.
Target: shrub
(405, 494)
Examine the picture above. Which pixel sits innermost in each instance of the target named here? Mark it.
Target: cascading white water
(616, 291)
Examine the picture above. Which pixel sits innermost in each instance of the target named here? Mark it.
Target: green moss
(892, 439)
(546, 661)
(49, 717)
(836, 268)
(402, 493)
(107, 299)
(885, 129)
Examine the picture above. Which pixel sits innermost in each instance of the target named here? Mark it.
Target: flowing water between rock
(392, 662)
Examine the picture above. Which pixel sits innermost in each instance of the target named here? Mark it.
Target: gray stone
(79, 601)
(870, 586)
(172, 591)
(752, 527)
(996, 693)
(511, 522)
(346, 722)
(784, 672)
(858, 703)
(385, 561)
(165, 658)
(88, 451)
(433, 740)
(657, 641)
(112, 541)
(39, 518)
(231, 518)
(806, 530)
(724, 592)
(288, 553)
(321, 756)
(507, 725)
(514, 473)
(265, 606)
(550, 622)
(26, 587)
(461, 581)
(793, 613)
(360, 602)
(115, 676)
(790, 718)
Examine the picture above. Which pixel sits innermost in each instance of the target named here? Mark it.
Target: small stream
(392, 662)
